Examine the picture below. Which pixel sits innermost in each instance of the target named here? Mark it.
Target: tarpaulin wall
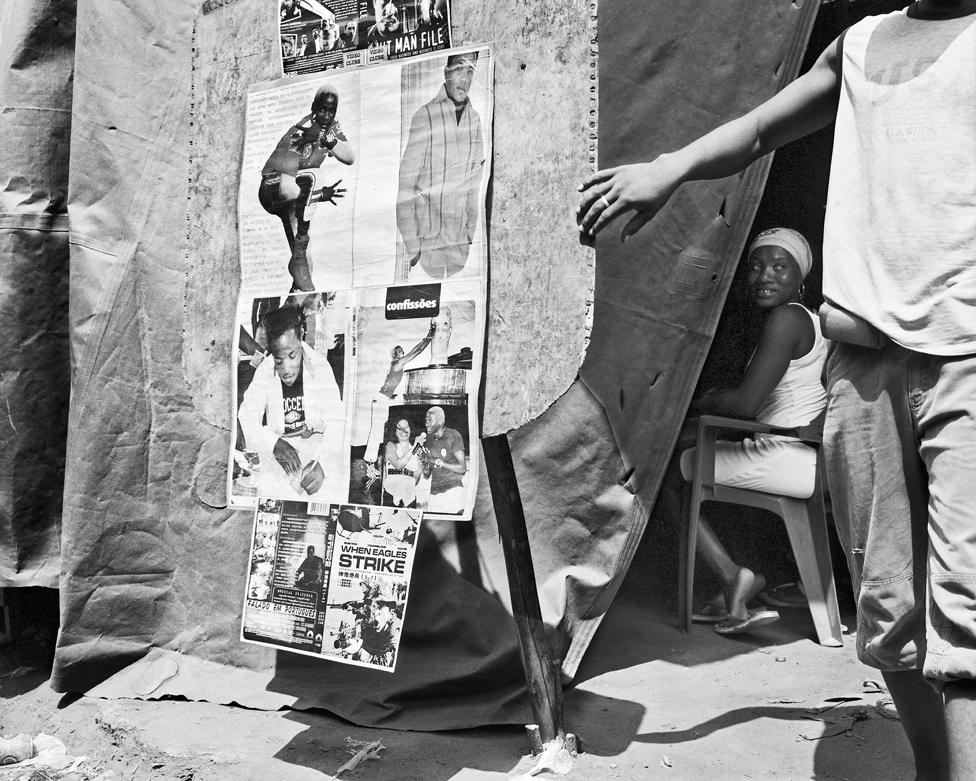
(36, 51)
(679, 72)
(153, 565)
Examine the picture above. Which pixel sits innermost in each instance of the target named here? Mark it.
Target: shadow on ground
(641, 625)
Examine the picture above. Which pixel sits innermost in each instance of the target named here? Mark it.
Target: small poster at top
(342, 33)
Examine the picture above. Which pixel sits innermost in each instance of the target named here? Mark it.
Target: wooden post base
(541, 666)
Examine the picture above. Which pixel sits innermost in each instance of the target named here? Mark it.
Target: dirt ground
(649, 702)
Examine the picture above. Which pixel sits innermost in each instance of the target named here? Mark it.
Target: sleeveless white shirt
(799, 396)
(900, 228)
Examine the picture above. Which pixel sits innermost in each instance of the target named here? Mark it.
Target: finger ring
(604, 201)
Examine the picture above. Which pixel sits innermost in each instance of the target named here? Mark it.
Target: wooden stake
(541, 667)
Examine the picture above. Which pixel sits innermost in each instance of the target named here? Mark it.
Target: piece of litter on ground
(555, 758)
(817, 718)
(362, 750)
(665, 762)
(832, 702)
(155, 674)
(49, 752)
(19, 671)
(822, 737)
(871, 686)
(886, 708)
(16, 749)
(354, 746)
(780, 658)
(856, 715)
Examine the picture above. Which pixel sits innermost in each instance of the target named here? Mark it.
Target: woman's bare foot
(742, 590)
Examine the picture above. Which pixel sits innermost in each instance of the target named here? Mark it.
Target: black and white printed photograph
(291, 384)
(413, 412)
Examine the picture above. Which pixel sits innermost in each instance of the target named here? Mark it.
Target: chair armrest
(809, 434)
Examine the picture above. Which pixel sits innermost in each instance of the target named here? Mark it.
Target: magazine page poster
(330, 580)
(374, 176)
(414, 410)
(292, 384)
(317, 36)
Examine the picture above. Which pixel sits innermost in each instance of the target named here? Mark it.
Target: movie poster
(330, 580)
(318, 36)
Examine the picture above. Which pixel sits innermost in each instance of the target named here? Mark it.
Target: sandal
(710, 613)
(735, 626)
(785, 595)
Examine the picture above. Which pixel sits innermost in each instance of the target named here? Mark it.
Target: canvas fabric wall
(36, 53)
(153, 565)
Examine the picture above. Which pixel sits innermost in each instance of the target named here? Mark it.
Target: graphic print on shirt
(293, 401)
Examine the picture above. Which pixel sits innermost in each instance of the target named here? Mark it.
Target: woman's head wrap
(791, 241)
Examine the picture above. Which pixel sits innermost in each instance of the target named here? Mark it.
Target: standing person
(900, 262)
(288, 187)
(444, 462)
(440, 175)
(311, 572)
(380, 405)
(317, 41)
(402, 468)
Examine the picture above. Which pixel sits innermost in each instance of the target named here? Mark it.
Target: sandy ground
(649, 703)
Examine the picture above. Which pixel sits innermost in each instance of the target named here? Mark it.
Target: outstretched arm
(416, 349)
(641, 190)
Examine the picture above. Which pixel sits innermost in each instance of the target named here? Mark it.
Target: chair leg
(807, 531)
(690, 509)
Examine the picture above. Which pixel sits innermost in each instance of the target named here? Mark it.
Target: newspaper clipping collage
(360, 325)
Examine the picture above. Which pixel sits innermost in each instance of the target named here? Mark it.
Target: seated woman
(781, 387)
(402, 468)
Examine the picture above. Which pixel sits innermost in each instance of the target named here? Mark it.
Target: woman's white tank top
(799, 397)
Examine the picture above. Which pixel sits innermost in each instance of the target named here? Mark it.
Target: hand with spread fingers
(330, 192)
(640, 189)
